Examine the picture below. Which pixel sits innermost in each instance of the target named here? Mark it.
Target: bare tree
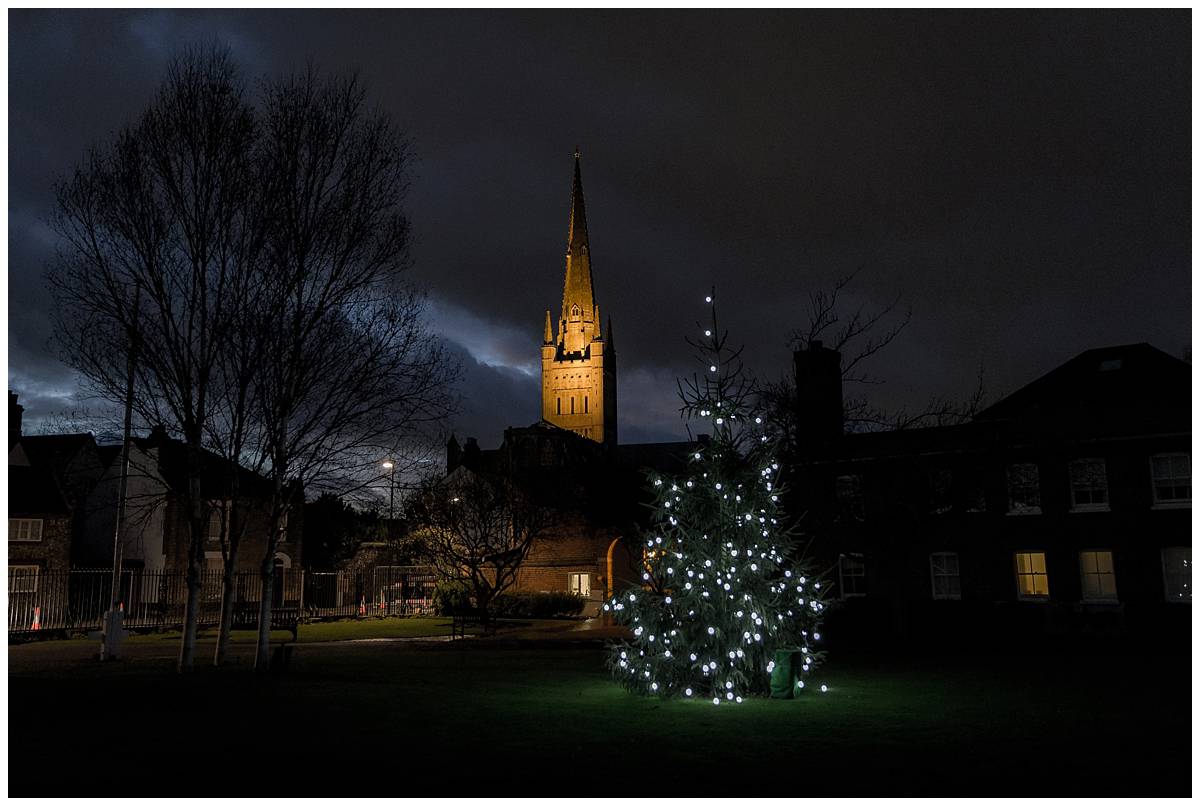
(859, 333)
(354, 373)
(154, 228)
(478, 530)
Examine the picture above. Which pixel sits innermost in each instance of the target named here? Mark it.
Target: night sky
(1022, 179)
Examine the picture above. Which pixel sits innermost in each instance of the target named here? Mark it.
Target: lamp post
(390, 467)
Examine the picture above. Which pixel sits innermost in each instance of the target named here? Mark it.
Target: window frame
(221, 508)
(1036, 597)
(41, 527)
(1163, 553)
(1089, 507)
(933, 576)
(1084, 573)
(861, 559)
(1008, 489)
(36, 576)
(578, 591)
(1170, 503)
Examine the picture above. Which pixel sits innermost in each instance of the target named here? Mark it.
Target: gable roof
(34, 491)
(1131, 388)
(55, 451)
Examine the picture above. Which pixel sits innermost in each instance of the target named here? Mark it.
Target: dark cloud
(1021, 178)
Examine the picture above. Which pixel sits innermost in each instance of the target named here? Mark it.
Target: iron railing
(76, 600)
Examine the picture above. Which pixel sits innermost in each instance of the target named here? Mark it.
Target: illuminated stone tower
(579, 367)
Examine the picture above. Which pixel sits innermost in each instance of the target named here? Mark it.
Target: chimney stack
(819, 417)
(15, 410)
(453, 454)
(470, 454)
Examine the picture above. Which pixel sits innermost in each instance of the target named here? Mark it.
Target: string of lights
(722, 589)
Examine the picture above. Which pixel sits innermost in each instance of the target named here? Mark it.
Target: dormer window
(575, 310)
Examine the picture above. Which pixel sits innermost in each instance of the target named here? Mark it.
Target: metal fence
(76, 600)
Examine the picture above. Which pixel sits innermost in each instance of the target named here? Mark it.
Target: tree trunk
(191, 612)
(262, 654)
(228, 600)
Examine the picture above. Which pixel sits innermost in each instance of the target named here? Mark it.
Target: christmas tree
(724, 596)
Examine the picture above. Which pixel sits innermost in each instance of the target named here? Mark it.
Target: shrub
(537, 605)
(451, 599)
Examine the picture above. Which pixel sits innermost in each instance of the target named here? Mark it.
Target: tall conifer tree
(724, 588)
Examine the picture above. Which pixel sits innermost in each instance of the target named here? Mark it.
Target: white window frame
(584, 590)
(1185, 574)
(1013, 509)
(28, 524)
(860, 573)
(934, 575)
(1077, 485)
(1170, 503)
(1031, 597)
(35, 576)
(1084, 573)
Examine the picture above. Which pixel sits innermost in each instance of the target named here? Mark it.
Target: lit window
(580, 584)
(943, 567)
(24, 530)
(852, 570)
(1172, 476)
(1032, 581)
(1177, 574)
(22, 579)
(1024, 497)
(850, 495)
(1099, 579)
(1089, 485)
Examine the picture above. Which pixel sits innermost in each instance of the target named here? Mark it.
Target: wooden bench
(245, 617)
(470, 618)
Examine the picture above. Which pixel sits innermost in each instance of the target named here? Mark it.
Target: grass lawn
(476, 717)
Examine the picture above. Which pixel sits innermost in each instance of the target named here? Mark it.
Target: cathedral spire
(578, 293)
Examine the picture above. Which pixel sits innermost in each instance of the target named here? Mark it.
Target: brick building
(1064, 508)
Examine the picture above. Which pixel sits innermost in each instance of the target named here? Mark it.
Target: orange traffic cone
(37, 618)
(362, 607)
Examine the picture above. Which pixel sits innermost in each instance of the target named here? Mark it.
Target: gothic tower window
(585, 404)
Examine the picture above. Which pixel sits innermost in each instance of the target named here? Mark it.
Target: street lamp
(390, 467)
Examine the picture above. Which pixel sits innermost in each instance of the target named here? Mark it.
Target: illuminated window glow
(580, 584)
(1032, 580)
